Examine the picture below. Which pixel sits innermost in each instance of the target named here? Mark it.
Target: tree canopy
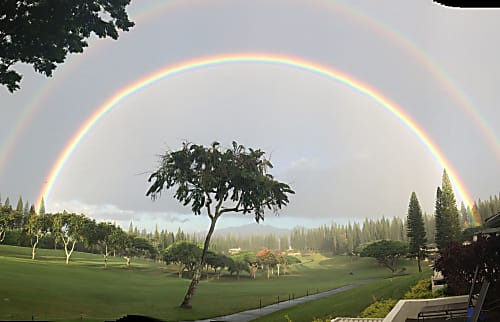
(386, 252)
(218, 181)
(42, 33)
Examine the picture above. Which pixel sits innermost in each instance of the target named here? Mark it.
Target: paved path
(250, 315)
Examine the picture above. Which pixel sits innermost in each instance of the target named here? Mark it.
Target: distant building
(293, 252)
(233, 251)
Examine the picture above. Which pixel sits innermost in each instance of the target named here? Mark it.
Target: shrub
(378, 309)
(457, 263)
(422, 290)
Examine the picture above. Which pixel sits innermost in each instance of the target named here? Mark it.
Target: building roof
(493, 221)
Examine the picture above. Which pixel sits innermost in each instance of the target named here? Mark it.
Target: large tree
(218, 181)
(416, 230)
(447, 217)
(42, 33)
(386, 252)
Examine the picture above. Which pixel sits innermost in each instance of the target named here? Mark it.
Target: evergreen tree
(156, 234)
(7, 203)
(26, 210)
(41, 209)
(416, 229)
(464, 216)
(19, 206)
(130, 228)
(447, 217)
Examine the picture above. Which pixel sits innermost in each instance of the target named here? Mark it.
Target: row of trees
(185, 254)
(69, 230)
(336, 239)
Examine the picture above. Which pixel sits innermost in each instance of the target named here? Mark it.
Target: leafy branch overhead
(207, 175)
(42, 33)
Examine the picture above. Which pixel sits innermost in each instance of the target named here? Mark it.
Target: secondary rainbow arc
(293, 62)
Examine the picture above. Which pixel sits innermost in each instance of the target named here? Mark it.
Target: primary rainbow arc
(293, 62)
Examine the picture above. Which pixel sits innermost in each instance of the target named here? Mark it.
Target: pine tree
(447, 217)
(416, 229)
(19, 206)
(41, 209)
(7, 203)
(26, 210)
(156, 234)
(130, 228)
(464, 216)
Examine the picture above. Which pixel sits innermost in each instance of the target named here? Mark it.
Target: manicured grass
(349, 303)
(49, 289)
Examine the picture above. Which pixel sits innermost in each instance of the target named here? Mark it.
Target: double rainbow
(292, 62)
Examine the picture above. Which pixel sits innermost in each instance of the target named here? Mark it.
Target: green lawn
(48, 289)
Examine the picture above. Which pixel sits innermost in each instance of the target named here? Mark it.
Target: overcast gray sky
(345, 155)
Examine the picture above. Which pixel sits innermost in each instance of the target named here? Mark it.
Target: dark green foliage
(218, 181)
(386, 252)
(204, 175)
(243, 262)
(379, 309)
(447, 217)
(42, 33)
(422, 290)
(19, 206)
(416, 230)
(140, 246)
(41, 209)
(183, 253)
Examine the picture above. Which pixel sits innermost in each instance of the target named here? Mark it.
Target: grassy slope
(49, 289)
(349, 303)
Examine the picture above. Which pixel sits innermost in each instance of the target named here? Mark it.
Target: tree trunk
(186, 303)
(419, 264)
(2, 235)
(68, 254)
(33, 251)
(106, 256)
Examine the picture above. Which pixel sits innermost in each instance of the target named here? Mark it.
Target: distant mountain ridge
(251, 229)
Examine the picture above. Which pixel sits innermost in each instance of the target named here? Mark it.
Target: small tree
(216, 261)
(38, 226)
(386, 252)
(70, 229)
(243, 261)
(234, 180)
(416, 230)
(267, 259)
(106, 238)
(184, 253)
(6, 220)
